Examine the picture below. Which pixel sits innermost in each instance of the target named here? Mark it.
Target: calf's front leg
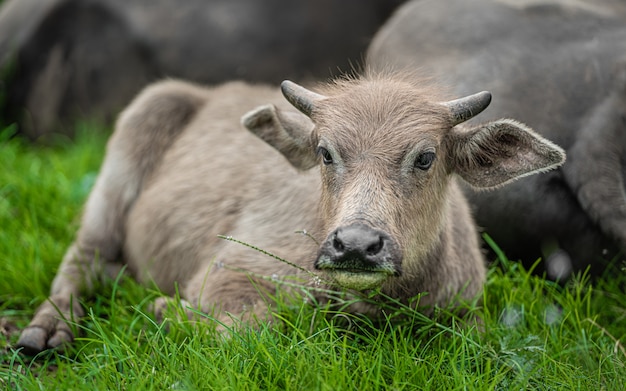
(51, 326)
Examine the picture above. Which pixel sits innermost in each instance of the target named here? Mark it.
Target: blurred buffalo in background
(67, 59)
(558, 66)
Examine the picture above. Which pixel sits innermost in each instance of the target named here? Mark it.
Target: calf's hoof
(35, 340)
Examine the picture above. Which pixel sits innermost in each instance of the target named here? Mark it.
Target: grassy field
(536, 335)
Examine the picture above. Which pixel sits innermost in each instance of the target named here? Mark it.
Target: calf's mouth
(359, 257)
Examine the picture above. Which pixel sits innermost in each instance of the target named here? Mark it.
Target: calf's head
(388, 149)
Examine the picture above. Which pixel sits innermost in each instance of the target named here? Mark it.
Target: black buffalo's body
(559, 66)
(68, 58)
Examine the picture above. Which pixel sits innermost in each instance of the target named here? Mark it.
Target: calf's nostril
(375, 248)
(338, 244)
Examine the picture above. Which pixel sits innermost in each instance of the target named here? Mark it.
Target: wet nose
(357, 241)
(359, 248)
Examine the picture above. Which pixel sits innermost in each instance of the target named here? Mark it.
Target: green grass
(536, 335)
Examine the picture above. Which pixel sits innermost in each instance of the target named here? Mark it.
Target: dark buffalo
(558, 66)
(88, 58)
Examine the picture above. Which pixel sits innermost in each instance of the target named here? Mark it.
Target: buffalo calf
(383, 203)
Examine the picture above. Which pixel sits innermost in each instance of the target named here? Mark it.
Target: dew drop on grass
(511, 316)
(553, 314)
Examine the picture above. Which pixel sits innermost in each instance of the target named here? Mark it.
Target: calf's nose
(357, 241)
(359, 257)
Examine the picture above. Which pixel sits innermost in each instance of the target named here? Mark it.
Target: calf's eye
(425, 160)
(326, 157)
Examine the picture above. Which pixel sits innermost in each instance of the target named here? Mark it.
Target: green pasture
(536, 335)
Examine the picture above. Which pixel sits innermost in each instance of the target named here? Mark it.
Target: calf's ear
(288, 132)
(496, 153)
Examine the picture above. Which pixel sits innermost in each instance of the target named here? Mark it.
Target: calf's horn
(301, 98)
(463, 109)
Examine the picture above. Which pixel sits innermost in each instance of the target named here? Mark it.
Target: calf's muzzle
(359, 257)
